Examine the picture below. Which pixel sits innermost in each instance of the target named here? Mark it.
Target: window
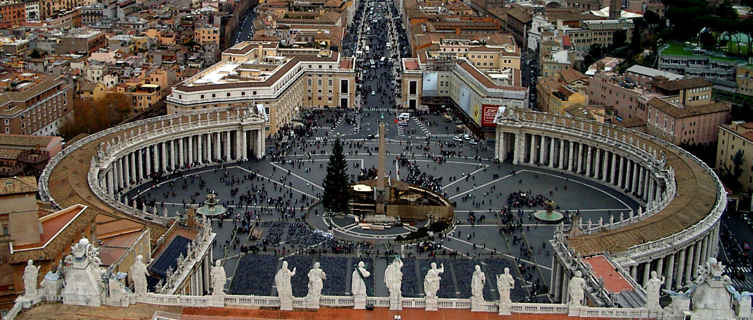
(413, 87)
(343, 86)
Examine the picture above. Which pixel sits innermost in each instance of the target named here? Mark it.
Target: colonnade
(169, 154)
(604, 163)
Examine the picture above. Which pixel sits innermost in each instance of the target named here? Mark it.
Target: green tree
(336, 182)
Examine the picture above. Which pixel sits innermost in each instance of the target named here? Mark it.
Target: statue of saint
(31, 273)
(138, 274)
(316, 283)
(282, 280)
(575, 289)
(393, 277)
(477, 284)
(218, 278)
(505, 283)
(653, 286)
(431, 281)
(358, 285)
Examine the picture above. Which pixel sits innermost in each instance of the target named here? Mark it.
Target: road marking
(278, 183)
(470, 174)
(481, 186)
(297, 176)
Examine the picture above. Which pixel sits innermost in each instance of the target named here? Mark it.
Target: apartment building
(207, 35)
(601, 32)
(82, 41)
(257, 73)
(473, 94)
(744, 79)
(12, 14)
(685, 112)
(556, 94)
(735, 138)
(35, 104)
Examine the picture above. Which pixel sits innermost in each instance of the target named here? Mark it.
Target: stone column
(705, 249)
(119, 173)
(190, 150)
(640, 182)
(557, 274)
(132, 168)
(261, 143)
(542, 148)
(588, 162)
(659, 266)
(563, 292)
(697, 259)
(670, 269)
(634, 272)
(244, 144)
(164, 156)
(571, 154)
(689, 263)
(651, 187)
(218, 146)
(227, 146)
(681, 268)
(148, 161)
(532, 158)
(561, 164)
(156, 158)
(597, 162)
(497, 149)
(612, 177)
(580, 158)
(199, 148)
(181, 157)
(108, 176)
(646, 272)
(518, 147)
(501, 154)
(173, 154)
(551, 152)
(632, 181)
(620, 174)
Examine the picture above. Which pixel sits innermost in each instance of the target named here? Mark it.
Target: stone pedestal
(51, 286)
(505, 309)
(573, 310)
(217, 300)
(286, 304)
(312, 302)
(359, 302)
(432, 303)
(477, 305)
(396, 303)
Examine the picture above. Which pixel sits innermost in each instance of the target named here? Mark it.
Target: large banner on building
(489, 111)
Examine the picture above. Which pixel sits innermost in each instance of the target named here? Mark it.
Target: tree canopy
(90, 116)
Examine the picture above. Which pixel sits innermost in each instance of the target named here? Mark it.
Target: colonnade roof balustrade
(66, 181)
(698, 201)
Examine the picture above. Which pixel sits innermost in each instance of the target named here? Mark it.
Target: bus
(403, 119)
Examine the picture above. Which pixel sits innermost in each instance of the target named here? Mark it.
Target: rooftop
(651, 72)
(52, 225)
(16, 185)
(614, 282)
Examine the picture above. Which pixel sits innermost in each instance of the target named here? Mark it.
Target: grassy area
(678, 49)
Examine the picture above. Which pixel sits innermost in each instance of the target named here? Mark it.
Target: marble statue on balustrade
(118, 293)
(218, 278)
(576, 288)
(83, 276)
(505, 283)
(284, 290)
(431, 285)
(477, 289)
(358, 285)
(477, 284)
(137, 273)
(316, 283)
(393, 279)
(653, 286)
(31, 274)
